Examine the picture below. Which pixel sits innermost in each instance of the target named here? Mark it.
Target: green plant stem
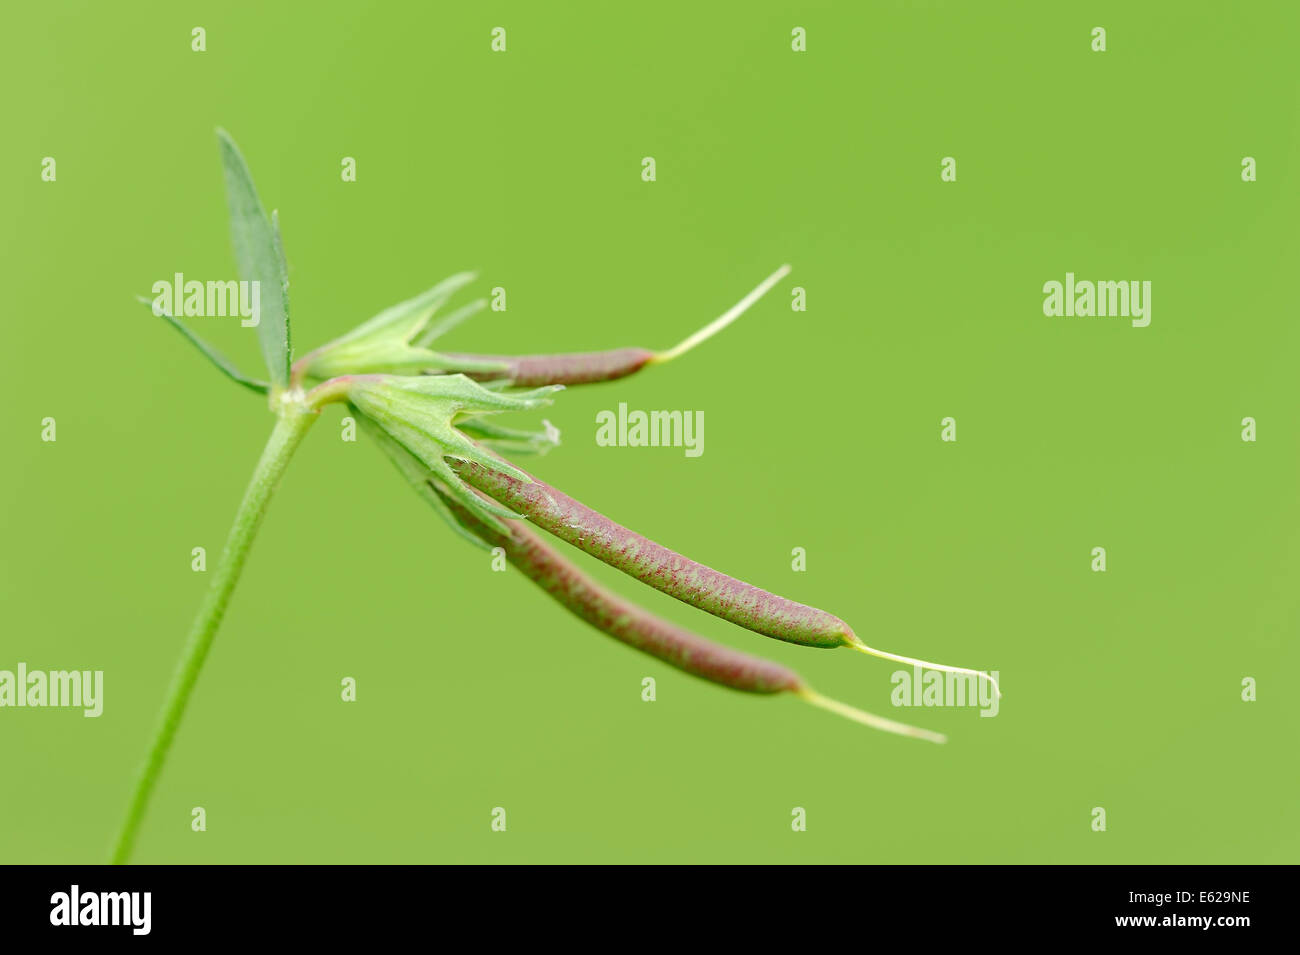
(291, 426)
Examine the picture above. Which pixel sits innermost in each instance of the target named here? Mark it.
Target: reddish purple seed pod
(530, 371)
(625, 621)
(651, 563)
(587, 367)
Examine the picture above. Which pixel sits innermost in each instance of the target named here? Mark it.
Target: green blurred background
(1122, 689)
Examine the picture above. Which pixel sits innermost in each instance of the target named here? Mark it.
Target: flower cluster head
(422, 420)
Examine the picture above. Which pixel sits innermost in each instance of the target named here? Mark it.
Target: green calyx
(421, 420)
(396, 340)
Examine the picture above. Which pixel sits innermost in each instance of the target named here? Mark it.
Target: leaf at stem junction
(224, 364)
(259, 258)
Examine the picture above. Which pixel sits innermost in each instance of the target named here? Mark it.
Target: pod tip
(723, 320)
(856, 644)
(809, 695)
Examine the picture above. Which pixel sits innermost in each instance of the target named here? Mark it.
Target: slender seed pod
(623, 620)
(668, 571)
(651, 563)
(642, 630)
(577, 369)
(589, 367)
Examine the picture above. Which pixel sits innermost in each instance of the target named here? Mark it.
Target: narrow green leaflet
(258, 256)
(284, 278)
(223, 363)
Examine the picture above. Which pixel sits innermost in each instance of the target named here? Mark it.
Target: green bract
(511, 440)
(259, 256)
(395, 340)
(421, 413)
